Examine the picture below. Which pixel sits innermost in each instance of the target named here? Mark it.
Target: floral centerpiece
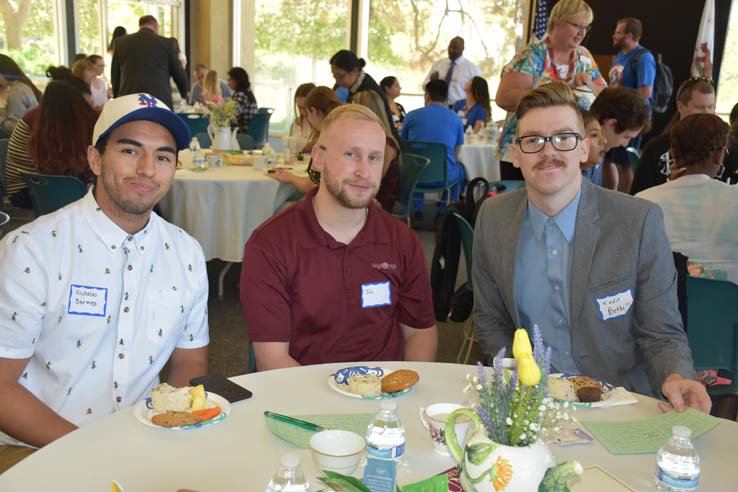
(504, 450)
(223, 114)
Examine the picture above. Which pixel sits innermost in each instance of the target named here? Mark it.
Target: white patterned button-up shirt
(97, 310)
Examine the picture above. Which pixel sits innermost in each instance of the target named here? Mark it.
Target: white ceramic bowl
(337, 450)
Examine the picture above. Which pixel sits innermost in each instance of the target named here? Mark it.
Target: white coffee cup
(434, 419)
(215, 160)
(259, 162)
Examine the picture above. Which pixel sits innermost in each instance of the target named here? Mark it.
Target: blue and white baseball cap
(140, 107)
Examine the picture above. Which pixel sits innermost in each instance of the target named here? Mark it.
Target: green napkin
(647, 436)
(354, 422)
(437, 483)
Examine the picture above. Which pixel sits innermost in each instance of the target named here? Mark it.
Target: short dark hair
(347, 60)
(437, 90)
(698, 138)
(632, 26)
(146, 20)
(626, 106)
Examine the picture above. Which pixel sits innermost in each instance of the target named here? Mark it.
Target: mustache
(548, 162)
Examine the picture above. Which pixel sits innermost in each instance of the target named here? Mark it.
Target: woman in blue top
(475, 107)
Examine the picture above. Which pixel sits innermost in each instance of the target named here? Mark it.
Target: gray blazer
(619, 244)
(143, 62)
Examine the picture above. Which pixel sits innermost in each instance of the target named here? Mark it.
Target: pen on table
(293, 421)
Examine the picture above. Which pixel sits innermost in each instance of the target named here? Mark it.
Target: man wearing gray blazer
(591, 267)
(144, 61)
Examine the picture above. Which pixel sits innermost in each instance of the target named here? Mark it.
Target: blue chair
(434, 179)
(259, 127)
(4, 219)
(467, 241)
(245, 142)
(204, 139)
(712, 317)
(411, 166)
(3, 156)
(197, 122)
(252, 359)
(50, 193)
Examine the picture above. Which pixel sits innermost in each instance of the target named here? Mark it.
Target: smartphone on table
(221, 385)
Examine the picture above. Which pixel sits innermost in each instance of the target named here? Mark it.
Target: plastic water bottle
(194, 145)
(385, 436)
(677, 463)
(289, 477)
(198, 159)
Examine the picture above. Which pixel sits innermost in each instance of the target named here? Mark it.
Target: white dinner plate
(144, 412)
(338, 381)
(611, 396)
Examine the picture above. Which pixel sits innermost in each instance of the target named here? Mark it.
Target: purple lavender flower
(481, 375)
(538, 346)
(486, 419)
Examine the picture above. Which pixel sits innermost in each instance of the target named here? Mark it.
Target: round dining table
(241, 454)
(221, 207)
(478, 158)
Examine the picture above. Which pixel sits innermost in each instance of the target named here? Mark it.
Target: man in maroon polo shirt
(335, 278)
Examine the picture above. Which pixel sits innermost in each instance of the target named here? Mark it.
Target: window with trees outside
(727, 90)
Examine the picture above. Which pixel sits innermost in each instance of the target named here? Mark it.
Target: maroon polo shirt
(334, 302)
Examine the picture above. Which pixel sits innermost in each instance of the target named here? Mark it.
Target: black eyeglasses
(564, 142)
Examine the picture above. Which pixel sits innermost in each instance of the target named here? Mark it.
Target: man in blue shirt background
(626, 39)
(436, 123)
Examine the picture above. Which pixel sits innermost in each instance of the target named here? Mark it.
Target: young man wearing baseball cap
(96, 297)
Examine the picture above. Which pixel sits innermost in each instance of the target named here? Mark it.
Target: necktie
(450, 72)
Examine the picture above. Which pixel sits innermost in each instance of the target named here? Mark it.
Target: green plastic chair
(259, 127)
(3, 156)
(411, 166)
(436, 172)
(634, 157)
(245, 142)
(204, 139)
(252, 359)
(712, 317)
(197, 122)
(467, 241)
(50, 193)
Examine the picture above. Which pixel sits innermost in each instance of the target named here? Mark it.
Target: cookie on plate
(399, 380)
(175, 419)
(587, 389)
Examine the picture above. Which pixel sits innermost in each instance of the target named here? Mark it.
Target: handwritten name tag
(87, 301)
(615, 305)
(378, 294)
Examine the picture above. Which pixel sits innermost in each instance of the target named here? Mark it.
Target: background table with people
(478, 158)
(240, 453)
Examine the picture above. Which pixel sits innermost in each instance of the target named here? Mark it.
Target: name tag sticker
(378, 294)
(87, 301)
(616, 305)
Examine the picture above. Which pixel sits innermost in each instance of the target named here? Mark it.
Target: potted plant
(504, 450)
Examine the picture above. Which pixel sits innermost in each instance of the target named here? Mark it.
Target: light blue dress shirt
(542, 282)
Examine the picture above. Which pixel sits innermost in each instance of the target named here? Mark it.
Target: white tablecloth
(479, 160)
(240, 454)
(221, 207)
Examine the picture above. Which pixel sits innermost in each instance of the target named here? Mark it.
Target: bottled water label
(391, 453)
(676, 482)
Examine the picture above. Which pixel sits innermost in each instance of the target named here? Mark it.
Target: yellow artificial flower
(521, 344)
(528, 371)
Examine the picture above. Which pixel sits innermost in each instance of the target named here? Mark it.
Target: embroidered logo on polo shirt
(384, 266)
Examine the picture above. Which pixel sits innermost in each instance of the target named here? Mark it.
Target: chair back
(634, 158)
(245, 142)
(204, 139)
(50, 193)
(198, 123)
(411, 166)
(4, 219)
(437, 171)
(259, 127)
(712, 313)
(467, 241)
(3, 156)
(506, 185)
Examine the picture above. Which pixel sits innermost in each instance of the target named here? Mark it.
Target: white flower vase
(222, 137)
(487, 466)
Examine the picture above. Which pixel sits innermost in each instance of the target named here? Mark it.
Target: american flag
(539, 24)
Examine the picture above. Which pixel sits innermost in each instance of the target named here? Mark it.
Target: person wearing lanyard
(559, 56)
